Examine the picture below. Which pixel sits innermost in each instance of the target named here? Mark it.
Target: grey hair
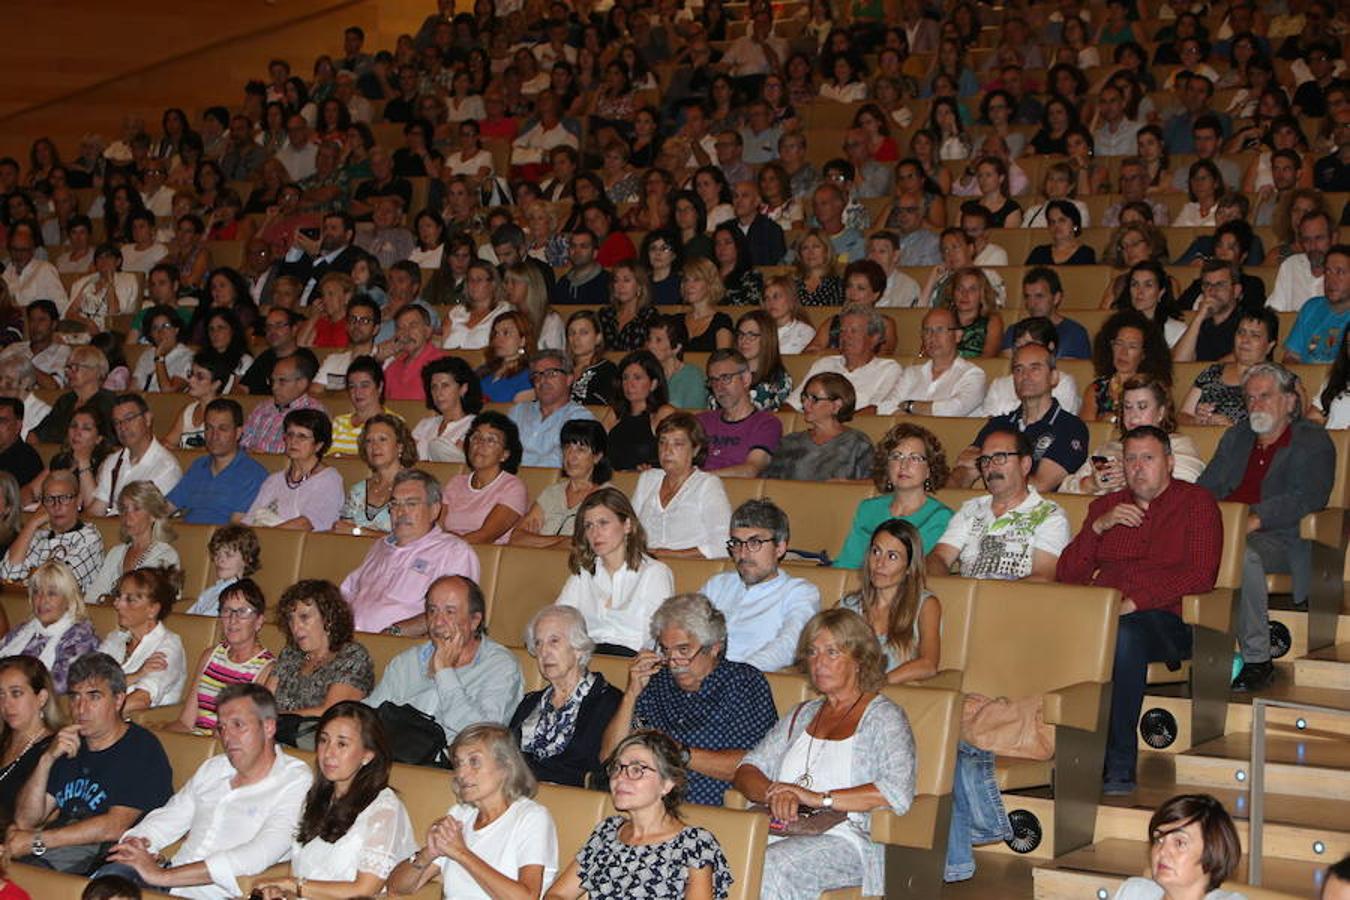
(498, 741)
(761, 512)
(96, 666)
(429, 484)
(695, 614)
(21, 368)
(63, 475)
(559, 356)
(1286, 380)
(577, 635)
(876, 325)
(264, 704)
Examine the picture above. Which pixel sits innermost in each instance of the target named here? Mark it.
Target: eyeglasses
(725, 378)
(816, 398)
(127, 419)
(748, 335)
(237, 612)
(997, 458)
(682, 652)
(752, 544)
(360, 320)
(545, 374)
(1215, 285)
(632, 771)
(57, 499)
(896, 456)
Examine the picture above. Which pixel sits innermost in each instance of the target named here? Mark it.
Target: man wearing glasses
(264, 430)
(765, 608)
(741, 439)
(386, 591)
(55, 532)
(414, 350)
(540, 420)
(363, 322)
(1012, 532)
(1209, 335)
(686, 688)
(944, 384)
(142, 457)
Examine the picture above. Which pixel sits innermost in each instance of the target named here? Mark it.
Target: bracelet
(300, 888)
(412, 860)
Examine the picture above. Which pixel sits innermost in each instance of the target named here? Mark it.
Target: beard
(1262, 423)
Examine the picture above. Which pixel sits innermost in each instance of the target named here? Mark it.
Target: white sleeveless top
(831, 767)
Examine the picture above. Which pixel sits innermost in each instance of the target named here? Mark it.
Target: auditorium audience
(866, 762)
(150, 653)
(1128, 344)
(484, 504)
(82, 372)
(364, 383)
(559, 727)
(894, 600)
(712, 708)
(874, 377)
(265, 427)
(636, 409)
(1215, 396)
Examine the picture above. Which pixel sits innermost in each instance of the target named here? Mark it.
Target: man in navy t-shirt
(99, 776)
(741, 439)
(1042, 294)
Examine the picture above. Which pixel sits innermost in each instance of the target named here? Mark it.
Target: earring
(889, 485)
(927, 485)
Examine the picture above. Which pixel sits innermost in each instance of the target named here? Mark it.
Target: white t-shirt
(134, 260)
(794, 336)
(1002, 547)
(460, 336)
(522, 836)
(1295, 284)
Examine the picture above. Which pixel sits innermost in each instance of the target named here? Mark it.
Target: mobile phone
(311, 233)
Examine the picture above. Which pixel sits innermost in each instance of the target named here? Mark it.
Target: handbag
(297, 731)
(1007, 727)
(810, 820)
(414, 737)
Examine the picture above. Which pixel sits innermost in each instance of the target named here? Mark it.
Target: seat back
(958, 603)
(529, 669)
(384, 647)
(740, 490)
(102, 617)
(527, 580)
(49, 884)
(820, 513)
(536, 478)
(332, 557)
(426, 793)
(935, 718)
(614, 668)
(1234, 545)
(692, 574)
(194, 555)
(1015, 622)
(186, 753)
(743, 836)
(197, 633)
(832, 583)
(576, 811)
(789, 689)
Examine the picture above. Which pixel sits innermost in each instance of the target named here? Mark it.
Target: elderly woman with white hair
(560, 727)
(18, 378)
(146, 538)
(59, 631)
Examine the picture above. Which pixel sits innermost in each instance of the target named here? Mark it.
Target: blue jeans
(1144, 636)
(121, 870)
(978, 816)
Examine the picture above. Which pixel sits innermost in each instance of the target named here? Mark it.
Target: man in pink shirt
(412, 338)
(387, 592)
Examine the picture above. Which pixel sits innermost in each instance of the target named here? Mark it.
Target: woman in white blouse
(471, 158)
(615, 585)
(469, 327)
(354, 829)
(846, 84)
(455, 396)
(105, 292)
(150, 654)
(430, 232)
(497, 841)
(146, 538)
(683, 509)
(59, 631)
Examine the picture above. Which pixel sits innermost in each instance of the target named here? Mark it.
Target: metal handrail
(1256, 783)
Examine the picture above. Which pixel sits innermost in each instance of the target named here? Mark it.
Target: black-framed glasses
(998, 458)
(634, 771)
(725, 378)
(545, 374)
(57, 499)
(752, 544)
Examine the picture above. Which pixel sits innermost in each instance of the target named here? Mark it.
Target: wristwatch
(412, 860)
(394, 630)
(38, 847)
(909, 407)
(827, 800)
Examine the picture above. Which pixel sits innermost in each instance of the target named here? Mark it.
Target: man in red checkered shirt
(1155, 541)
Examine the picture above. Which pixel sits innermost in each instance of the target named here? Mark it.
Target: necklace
(804, 780)
(26, 747)
(293, 484)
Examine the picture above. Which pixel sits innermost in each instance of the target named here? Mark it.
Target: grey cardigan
(883, 755)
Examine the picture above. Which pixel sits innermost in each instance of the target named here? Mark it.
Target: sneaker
(1118, 787)
(1254, 677)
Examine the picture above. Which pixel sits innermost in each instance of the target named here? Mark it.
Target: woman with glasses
(484, 504)
(496, 841)
(306, 495)
(826, 450)
(165, 366)
(615, 584)
(59, 631)
(908, 467)
(757, 341)
(647, 848)
(454, 397)
(237, 658)
(863, 761)
(146, 536)
(661, 253)
(585, 469)
(207, 381)
(683, 509)
(150, 654)
(55, 530)
(387, 448)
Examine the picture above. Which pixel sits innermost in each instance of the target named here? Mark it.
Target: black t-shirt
(397, 187)
(21, 461)
(258, 378)
(1216, 341)
(133, 772)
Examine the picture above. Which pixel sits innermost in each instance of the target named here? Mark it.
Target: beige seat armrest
(1075, 706)
(946, 678)
(157, 715)
(914, 829)
(1325, 526)
(734, 799)
(1212, 609)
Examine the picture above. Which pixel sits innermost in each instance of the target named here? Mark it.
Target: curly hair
(325, 597)
(938, 469)
(407, 447)
(854, 635)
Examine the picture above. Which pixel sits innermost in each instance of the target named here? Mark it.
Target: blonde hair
(536, 293)
(501, 744)
(87, 355)
(855, 637)
(705, 271)
(819, 235)
(56, 577)
(148, 497)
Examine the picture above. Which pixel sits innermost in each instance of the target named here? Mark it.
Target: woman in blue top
(910, 463)
(506, 375)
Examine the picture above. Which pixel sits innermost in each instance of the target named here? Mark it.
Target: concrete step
(1294, 765)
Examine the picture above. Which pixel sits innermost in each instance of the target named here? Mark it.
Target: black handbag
(297, 731)
(414, 737)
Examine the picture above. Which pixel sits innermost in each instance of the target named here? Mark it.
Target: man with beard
(309, 259)
(765, 608)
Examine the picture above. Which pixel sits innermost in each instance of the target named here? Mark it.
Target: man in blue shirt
(765, 608)
(1042, 294)
(1320, 326)
(541, 420)
(1195, 94)
(226, 479)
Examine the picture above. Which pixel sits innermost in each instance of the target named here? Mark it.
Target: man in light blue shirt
(1317, 333)
(541, 420)
(461, 676)
(765, 608)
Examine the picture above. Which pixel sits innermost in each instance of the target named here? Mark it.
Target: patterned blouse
(973, 337)
(296, 690)
(633, 335)
(611, 869)
(1225, 398)
(748, 290)
(221, 671)
(548, 730)
(830, 292)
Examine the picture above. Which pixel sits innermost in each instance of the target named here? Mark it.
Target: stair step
(1325, 668)
(1294, 765)
(1104, 865)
